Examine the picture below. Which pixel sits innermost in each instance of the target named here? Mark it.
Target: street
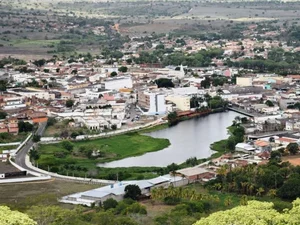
(21, 155)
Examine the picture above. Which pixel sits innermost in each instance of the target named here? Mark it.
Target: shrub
(171, 200)
(110, 204)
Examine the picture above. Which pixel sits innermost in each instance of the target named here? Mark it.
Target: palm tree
(272, 193)
(173, 174)
(193, 194)
(259, 191)
(218, 186)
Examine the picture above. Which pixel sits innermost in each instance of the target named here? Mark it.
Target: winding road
(21, 155)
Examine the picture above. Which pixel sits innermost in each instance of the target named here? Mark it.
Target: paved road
(20, 157)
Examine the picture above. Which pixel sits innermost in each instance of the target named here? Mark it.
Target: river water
(190, 138)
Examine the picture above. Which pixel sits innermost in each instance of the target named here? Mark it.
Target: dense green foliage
(76, 157)
(3, 115)
(117, 214)
(201, 58)
(274, 178)
(69, 103)
(254, 213)
(278, 61)
(9, 217)
(164, 82)
(132, 191)
(4, 61)
(25, 126)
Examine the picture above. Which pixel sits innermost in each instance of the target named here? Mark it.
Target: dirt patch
(294, 160)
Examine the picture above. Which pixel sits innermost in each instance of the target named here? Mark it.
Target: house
(262, 145)
(285, 141)
(196, 173)
(244, 147)
(9, 126)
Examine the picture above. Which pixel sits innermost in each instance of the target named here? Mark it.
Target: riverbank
(80, 158)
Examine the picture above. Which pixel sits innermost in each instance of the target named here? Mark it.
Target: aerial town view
(149, 112)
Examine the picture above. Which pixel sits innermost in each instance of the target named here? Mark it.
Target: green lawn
(116, 147)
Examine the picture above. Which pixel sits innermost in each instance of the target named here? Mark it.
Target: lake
(190, 138)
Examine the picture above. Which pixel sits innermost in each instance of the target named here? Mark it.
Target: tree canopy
(164, 82)
(9, 217)
(255, 212)
(132, 191)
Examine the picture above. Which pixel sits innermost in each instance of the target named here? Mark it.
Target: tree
(113, 74)
(69, 103)
(206, 83)
(192, 161)
(36, 138)
(25, 126)
(293, 148)
(9, 217)
(67, 145)
(51, 121)
(230, 143)
(123, 69)
(74, 135)
(255, 212)
(110, 204)
(164, 82)
(276, 156)
(39, 62)
(34, 154)
(269, 103)
(3, 85)
(172, 117)
(290, 189)
(3, 115)
(132, 191)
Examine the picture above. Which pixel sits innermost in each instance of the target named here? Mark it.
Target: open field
(58, 127)
(24, 195)
(35, 29)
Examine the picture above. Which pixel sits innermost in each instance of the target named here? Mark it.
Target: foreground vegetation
(171, 206)
(254, 213)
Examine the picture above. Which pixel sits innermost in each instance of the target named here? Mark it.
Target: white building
(152, 103)
(22, 78)
(117, 83)
(244, 81)
(181, 102)
(185, 91)
(117, 190)
(29, 93)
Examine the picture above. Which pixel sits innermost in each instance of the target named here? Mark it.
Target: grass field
(10, 138)
(24, 195)
(116, 147)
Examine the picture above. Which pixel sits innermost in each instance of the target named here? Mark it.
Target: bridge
(242, 111)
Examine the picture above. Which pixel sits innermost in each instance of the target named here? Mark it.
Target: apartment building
(152, 103)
